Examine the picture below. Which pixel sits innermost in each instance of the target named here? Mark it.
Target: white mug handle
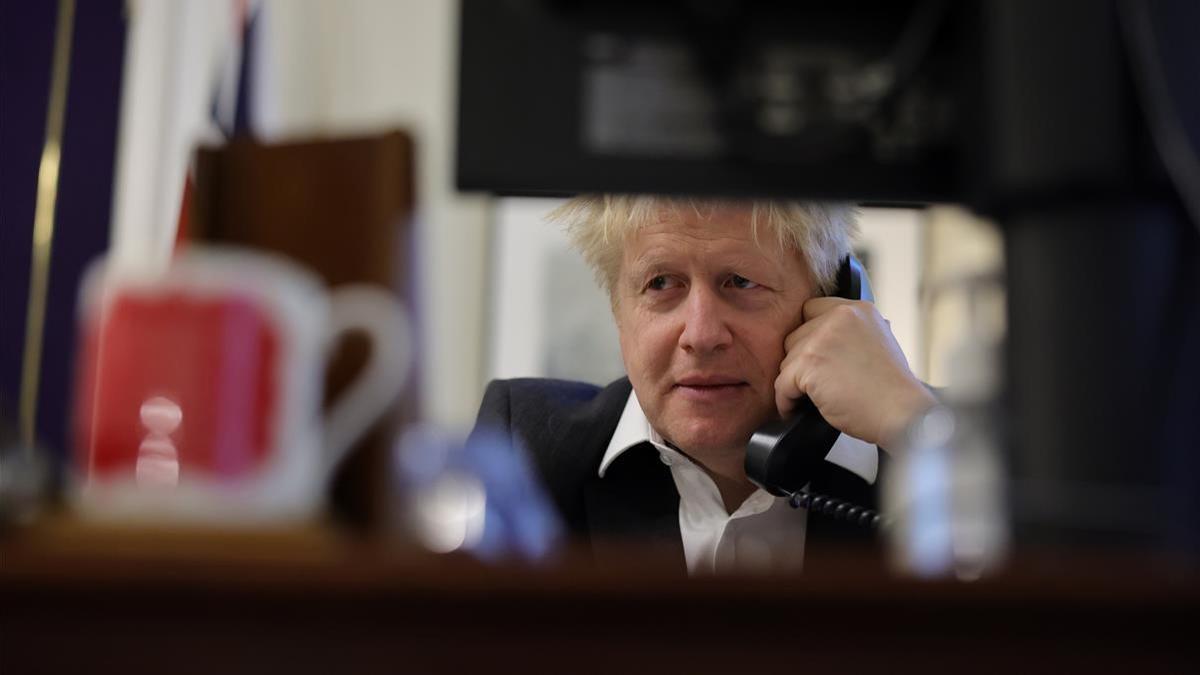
(378, 314)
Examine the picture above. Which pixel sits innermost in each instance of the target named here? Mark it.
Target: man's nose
(705, 328)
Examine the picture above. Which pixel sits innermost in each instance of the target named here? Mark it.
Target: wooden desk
(76, 600)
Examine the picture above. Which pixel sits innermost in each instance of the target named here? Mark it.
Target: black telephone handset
(784, 454)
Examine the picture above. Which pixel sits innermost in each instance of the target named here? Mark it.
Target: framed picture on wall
(548, 316)
(890, 247)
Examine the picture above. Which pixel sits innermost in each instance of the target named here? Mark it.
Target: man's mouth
(709, 381)
(709, 386)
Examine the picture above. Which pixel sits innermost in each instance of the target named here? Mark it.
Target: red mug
(199, 390)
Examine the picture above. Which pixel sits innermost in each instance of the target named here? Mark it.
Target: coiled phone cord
(835, 508)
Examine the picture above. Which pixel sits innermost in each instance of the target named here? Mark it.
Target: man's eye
(738, 281)
(659, 283)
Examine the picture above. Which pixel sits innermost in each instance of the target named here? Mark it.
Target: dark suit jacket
(567, 427)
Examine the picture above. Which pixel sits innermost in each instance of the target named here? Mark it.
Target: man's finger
(797, 335)
(787, 390)
(815, 307)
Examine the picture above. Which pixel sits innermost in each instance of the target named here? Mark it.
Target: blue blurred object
(480, 495)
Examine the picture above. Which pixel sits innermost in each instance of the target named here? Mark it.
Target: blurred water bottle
(945, 494)
(481, 496)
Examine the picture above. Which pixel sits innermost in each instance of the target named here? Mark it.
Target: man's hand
(845, 358)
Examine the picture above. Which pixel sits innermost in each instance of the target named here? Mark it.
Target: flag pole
(43, 225)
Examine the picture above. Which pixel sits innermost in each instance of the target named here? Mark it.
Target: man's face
(702, 311)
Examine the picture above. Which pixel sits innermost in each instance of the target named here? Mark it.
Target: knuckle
(858, 313)
(820, 343)
(843, 314)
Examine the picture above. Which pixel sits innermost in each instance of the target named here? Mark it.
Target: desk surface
(314, 601)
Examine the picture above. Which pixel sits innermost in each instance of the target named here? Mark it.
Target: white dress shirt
(764, 533)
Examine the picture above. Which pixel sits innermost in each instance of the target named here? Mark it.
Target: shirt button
(665, 459)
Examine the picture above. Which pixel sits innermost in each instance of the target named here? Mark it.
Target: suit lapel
(636, 502)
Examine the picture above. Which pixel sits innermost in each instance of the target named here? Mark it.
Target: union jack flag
(190, 78)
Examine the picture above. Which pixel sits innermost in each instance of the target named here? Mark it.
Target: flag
(186, 82)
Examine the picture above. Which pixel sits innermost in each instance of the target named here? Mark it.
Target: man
(724, 322)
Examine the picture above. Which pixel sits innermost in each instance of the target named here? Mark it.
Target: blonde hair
(598, 226)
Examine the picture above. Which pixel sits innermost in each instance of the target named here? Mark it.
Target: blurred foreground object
(314, 601)
(342, 208)
(1075, 125)
(200, 388)
(25, 478)
(481, 496)
(945, 493)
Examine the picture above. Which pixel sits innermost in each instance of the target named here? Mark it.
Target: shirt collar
(634, 429)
